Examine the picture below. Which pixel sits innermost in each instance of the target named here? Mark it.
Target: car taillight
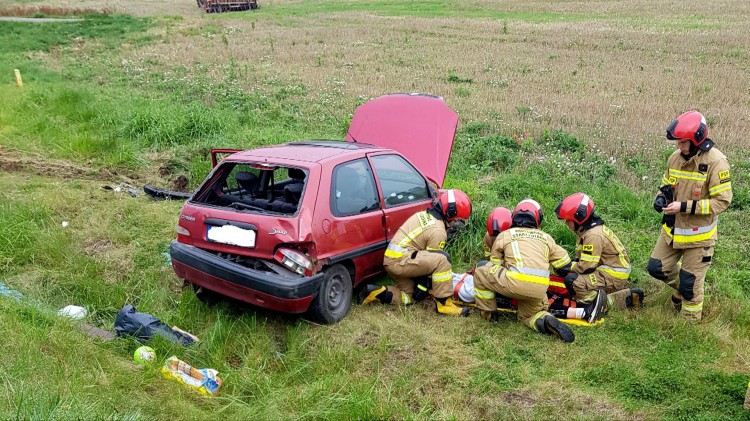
(182, 230)
(294, 261)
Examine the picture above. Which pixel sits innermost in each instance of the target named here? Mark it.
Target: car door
(357, 231)
(403, 189)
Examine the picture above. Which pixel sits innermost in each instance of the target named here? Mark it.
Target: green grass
(379, 362)
(429, 9)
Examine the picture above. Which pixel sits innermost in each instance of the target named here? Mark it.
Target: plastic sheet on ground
(130, 322)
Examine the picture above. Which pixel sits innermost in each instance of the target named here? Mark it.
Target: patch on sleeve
(425, 219)
(724, 176)
(441, 246)
(588, 247)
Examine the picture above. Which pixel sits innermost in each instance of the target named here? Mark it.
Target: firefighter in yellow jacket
(696, 188)
(601, 260)
(560, 306)
(520, 271)
(417, 252)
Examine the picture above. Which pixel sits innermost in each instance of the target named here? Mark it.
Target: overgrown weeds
(115, 94)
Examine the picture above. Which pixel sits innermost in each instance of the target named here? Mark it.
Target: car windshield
(255, 188)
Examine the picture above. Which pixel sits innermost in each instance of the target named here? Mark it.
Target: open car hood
(421, 127)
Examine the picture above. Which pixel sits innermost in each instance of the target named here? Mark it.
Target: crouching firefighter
(520, 270)
(416, 254)
(601, 261)
(558, 297)
(695, 189)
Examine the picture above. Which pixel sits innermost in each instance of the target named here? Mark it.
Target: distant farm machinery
(219, 6)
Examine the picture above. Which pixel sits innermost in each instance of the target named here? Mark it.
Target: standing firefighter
(695, 189)
(521, 271)
(416, 252)
(601, 260)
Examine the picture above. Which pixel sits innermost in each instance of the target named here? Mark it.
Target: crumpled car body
(295, 227)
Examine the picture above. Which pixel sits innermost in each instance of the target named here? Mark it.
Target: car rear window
(255, 187)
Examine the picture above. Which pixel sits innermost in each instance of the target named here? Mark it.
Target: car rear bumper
(267, 290)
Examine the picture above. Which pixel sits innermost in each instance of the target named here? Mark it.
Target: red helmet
(529, 207)
(454, 204)
(577, 208)
(689, 126)
(498, 221)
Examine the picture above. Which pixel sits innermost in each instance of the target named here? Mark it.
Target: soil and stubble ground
(613, 73)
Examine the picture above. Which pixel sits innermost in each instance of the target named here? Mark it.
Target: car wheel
(334, 296)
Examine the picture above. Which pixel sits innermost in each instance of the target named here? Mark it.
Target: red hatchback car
(295, 227)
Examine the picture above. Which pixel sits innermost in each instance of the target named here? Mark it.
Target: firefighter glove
(660, 203)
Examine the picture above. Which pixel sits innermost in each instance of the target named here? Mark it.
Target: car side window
(401, 182)
(353, 189)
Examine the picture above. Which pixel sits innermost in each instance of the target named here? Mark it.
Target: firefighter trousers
(492, 279)
(687, 279)
(421, 263)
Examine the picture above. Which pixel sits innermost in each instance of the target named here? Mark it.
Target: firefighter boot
(676, 303)
(490, 316)
(595, 310)
(372, 293)
(449, 308)
(634, 301)
(549, 325)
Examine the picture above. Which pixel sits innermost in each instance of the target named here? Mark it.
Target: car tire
(334, 296)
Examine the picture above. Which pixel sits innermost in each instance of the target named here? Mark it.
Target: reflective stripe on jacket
(420, 232)
(599, 248)
(527, 253)
(703, 184)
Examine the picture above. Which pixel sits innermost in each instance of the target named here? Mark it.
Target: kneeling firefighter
(601, 260)
(560, 305)
(416, 254)
(520, 271)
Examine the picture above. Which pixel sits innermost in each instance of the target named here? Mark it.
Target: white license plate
(229, 234)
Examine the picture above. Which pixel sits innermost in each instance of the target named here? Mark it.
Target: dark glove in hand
(660, 203)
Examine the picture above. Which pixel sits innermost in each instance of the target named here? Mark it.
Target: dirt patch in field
(367, 339)
(519, 399)
(12, 161)
(59, 169)
(97, 248)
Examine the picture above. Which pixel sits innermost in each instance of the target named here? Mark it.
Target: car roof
(308, 151)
